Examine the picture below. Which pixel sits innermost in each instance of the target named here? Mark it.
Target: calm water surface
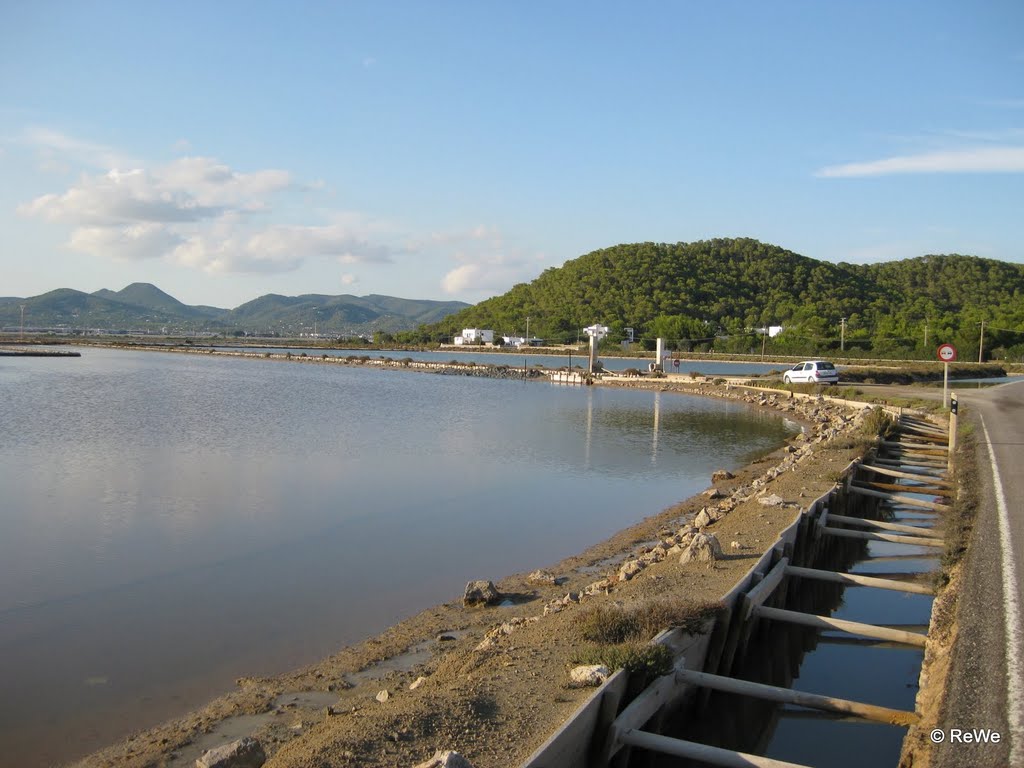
(172, 522)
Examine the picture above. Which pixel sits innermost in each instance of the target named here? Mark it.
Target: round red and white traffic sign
(947, 353)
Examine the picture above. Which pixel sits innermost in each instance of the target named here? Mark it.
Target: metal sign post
(947, 354)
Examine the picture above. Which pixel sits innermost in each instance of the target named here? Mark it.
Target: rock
(654, 555)
(542, 577)
(417, 683)
(244, 753)
(480, 593)
(704, 548)
(735, 545)
(714, 493)
(703, 519)
(721, 474)
(774, 500)
(629, 569)
(446, 759)
(588, 675)
(382, 696)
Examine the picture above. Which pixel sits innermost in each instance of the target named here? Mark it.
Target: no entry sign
(947, 353)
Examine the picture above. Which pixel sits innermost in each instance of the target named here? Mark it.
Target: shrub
(613, 624)
(644, 662)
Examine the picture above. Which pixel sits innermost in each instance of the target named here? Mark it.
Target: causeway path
(986, 684)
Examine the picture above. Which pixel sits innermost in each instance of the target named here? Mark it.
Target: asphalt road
(986, 686)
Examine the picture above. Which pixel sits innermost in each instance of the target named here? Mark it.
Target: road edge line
(1011, 613)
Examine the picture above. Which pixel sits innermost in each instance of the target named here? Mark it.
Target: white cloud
(484, 274)
(349, 279)
(130, 243)
(198, 212)
(973, 160)
(58, 151)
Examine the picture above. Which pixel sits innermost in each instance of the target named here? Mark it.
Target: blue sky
(444, 150)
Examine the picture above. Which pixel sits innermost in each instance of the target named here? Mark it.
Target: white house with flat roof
(475, 336)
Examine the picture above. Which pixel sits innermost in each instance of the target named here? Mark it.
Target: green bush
(613, 624)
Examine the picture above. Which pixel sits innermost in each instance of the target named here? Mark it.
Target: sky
(449, 150)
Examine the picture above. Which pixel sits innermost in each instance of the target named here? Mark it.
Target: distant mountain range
(144, 307)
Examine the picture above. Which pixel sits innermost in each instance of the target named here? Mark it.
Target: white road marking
(1012, 614)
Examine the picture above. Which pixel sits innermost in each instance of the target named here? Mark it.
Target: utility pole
(764, 340)
(981, 341)
(22, 334)
(926, 333)
(527, 330)
(842, 334)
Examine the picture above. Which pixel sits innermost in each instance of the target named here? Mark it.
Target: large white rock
(480, 593)
(588, 675)
(704, 548)
(244, 753)
(446, 759)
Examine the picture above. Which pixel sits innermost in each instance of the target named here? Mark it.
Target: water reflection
(157, 507)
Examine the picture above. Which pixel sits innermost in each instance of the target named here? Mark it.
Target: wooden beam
(856, 578)
(920, 466)
(903, 445)
(853, 627)
(886, 526)
(903, 475)
(896, 488)
(917, 541)
(662, 691)
(799, 698)
(762, 591)
(901, 499)
(727, 758)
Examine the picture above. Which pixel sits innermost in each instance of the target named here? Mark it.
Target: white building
(597, 331)
(475, 336)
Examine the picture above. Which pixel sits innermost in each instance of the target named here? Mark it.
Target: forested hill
(692, 293)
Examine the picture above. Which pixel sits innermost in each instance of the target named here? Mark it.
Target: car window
(808, 366)
(797, 367)
(826, 367)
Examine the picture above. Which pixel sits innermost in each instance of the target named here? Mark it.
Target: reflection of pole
(590, 426)
(657, 419)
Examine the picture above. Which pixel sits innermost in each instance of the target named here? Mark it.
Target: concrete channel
(816, 657)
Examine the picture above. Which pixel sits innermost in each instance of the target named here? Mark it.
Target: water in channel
(172, 522)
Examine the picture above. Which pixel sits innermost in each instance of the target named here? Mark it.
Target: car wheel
(786, 379)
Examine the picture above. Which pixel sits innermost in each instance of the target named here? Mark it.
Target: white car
(812, 372)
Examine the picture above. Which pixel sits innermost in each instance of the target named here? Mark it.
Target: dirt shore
(492, 682)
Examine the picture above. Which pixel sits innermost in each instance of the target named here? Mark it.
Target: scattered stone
(704, 548)
(629, 569)
(480, 593)
(244, 753)
(774, 500)
(446, 759)
(714, 493)
(382, 696)
(735, 545)
(587, 676)
(703, 519)
(722, 474)
(542, 577)
(417, 683)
